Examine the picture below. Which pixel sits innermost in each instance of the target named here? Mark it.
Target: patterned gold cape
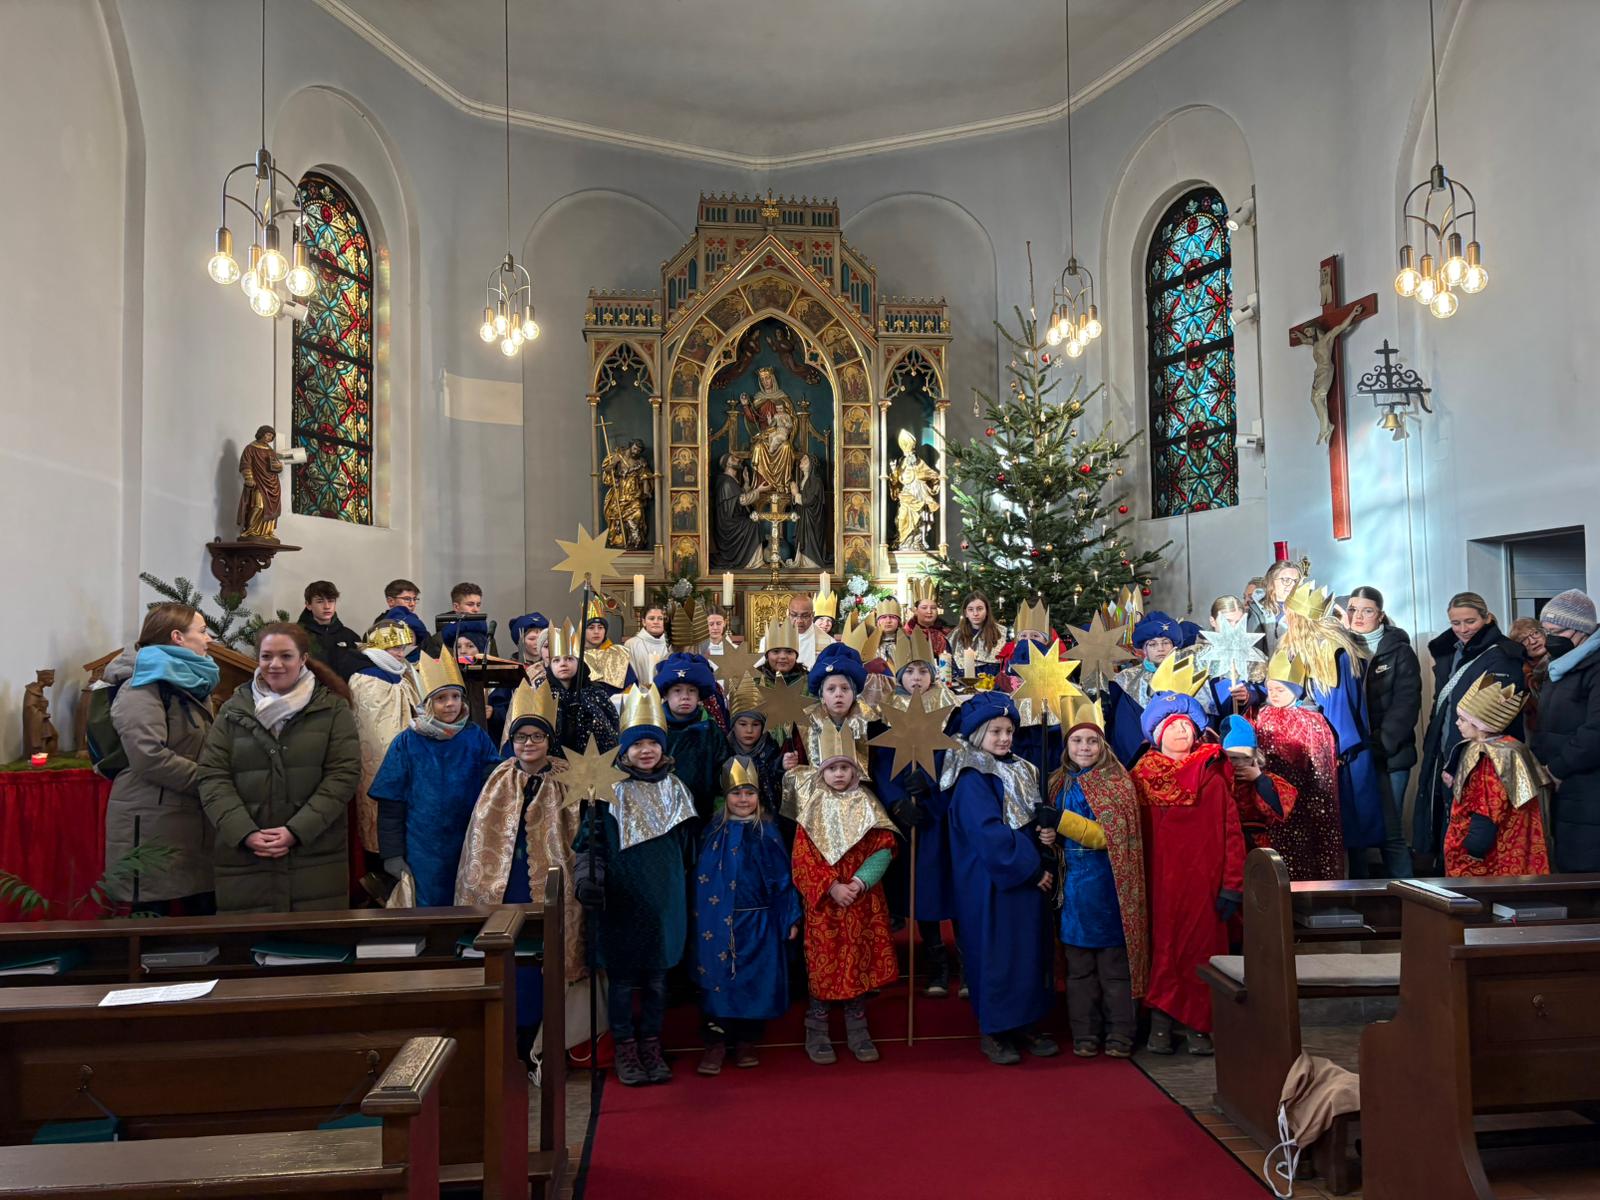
(1019, 779)
(382, 710)
(608, 665)
(834, 821)
(1521, 774)
(855, 723)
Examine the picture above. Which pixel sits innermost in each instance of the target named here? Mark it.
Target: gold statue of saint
(261, 502)
(915, 485)
(630, 487)
(772, 453)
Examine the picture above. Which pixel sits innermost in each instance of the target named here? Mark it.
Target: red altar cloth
(53, 836)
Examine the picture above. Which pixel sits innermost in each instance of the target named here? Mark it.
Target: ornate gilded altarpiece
(768, 365)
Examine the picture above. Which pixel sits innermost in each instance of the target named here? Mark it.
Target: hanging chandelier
(269, 270)
(1074, 318)
(1443, 268)
(508, 306)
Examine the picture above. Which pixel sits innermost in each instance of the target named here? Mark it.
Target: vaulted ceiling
(761, 83)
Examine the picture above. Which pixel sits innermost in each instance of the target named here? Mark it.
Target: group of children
(728, 840)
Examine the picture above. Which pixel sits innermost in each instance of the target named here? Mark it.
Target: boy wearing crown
(584, 712)
(429, 782)
(748, 741)
(1194, 852)
(638, 874)
(1156, 637)
(609, 665)
(1501, 805)
(745, 910)
(1297, 747)
(781, 653)
(843, 844)
(925, 614)
(825, 606)
(382, 696)
(523, 824)
(695, 743)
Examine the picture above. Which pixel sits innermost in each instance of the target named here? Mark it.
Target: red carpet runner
(929, 1121)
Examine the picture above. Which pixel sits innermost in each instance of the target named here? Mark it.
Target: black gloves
(589, 877)
(1046, 816)
(1480, 837)
(908, 812)
(918, 785)
(1227, 906)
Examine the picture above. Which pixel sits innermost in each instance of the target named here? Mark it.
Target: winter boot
(1160, 1032)
(938, 985)
(711, 1058)
(1199, 1044)
(856, 1035)
(1040, 1045)
(655, 1066)
(818, 1048)
(629, 1069)
(999, 1051)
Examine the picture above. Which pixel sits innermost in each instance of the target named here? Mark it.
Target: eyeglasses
(529, 739)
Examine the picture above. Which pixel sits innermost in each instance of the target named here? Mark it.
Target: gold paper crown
(1284, 669)
(436, 673)
(689, 626)
(862, 638)
(1491, 705)
(596, 610)
(782, 635)
(1083, 711)
(1182, 677)
(1310, 601)
(740, 772)
(1131, 600)
(887, 607)
(915, 647)
(746, 697)
(529, 701)
(825, 604)
(642, 706)
(565, 642)
(1034, 616)
(836, 742)
(388, 635)
(922, 588)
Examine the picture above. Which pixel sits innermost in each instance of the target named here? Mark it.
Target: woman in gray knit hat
(1568, 739)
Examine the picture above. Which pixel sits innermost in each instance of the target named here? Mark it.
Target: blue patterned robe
(743, 874)
(1360, 790)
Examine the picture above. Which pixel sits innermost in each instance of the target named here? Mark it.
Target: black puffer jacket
(1489, 652)
(1568, 743)
(334, 643)
(1394, 700)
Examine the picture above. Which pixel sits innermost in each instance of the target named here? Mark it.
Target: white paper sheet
(157, 995)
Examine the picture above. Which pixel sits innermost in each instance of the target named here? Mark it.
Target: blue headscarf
(685, 668)
(179, 666)
(1157, 624)
(837, 659)
(1170, 704)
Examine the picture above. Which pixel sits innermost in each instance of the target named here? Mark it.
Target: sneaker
(1040, 1045)
(1087, 1048)
(1199, 1044)
(998, 1051)
(1160, 1034)
(711, 1059)
(744, 1056)
(818, 1048)
(630, 1071)
(654, 1064)
(963, 993)
(938, 985)
(1118, 1048)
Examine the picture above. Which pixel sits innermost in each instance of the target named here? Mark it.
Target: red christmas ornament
(966, 545)
(1086, 468)
(1126, 563)
(1034, 553)
(1000, 478)
(1044, 359)
(1144, 591)
(1122, 508)
(989, 432)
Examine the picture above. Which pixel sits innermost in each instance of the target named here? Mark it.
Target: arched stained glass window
(1194, 457)
(332, 407)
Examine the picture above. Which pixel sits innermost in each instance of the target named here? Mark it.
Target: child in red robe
(1265, 800)
(1299, 747)
(1502, 793)
(843, 844)
(1195, 863)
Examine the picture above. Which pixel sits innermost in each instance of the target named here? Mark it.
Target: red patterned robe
(1299, 747)
(1195, 852)
(849, 951)
(1259, 823)
(1519, 846)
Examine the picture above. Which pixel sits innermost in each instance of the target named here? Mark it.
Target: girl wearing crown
(1103, 922)
(638, 872)
(1501, 806)
(429, 782)
(843, 844)
(741, 966)
(925, 615)
(696, 743)
(523, 824)
(1297, 746)
(1195, 856)
(584, 712)
(825, 609)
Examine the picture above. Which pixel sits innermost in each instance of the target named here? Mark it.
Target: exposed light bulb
(1455, 266)
(222, 268)
(508, 348)
(501, 323)
(516, 335)
(1406, 282)
(1444, 304)
(265, 302)
(1074, 347)
(486, 331)
(1053, 336)
(530, 329)
(273, 265)
(1475, 279)
(1427, 289)
(300, 281)
(1094, 328)
(249, 282)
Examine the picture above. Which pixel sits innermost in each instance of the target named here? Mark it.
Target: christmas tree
(1043, 504)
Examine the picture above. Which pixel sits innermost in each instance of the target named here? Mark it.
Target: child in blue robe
(742, 968)
(429, 782)
(696, 743)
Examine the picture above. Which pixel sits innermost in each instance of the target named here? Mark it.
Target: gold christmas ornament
(915, 734)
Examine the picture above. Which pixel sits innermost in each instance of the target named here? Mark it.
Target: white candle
(969, 663)
(727, 587)
(638, 591)
(902, 591)
(824, 584)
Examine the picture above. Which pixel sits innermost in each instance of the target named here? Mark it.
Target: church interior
(1029, 475)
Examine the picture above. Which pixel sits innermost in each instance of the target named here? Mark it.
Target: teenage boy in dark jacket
(332, 641)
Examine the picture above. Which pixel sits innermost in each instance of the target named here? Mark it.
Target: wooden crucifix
(1324, 333)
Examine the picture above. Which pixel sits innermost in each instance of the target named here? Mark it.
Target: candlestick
(727, 587)
(638, 591)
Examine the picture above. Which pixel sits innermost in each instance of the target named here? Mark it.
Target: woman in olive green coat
(277, 775)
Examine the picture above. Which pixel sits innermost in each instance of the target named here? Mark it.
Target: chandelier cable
(1072, 229)
(263, 72)
(507, 12)
(1433, 53)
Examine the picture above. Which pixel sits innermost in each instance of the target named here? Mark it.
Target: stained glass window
(1189, 317)
(333, 360)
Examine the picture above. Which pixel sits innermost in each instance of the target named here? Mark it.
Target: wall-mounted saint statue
(914, 486)
(261, 501)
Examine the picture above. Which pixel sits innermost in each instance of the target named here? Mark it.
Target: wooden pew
(1491, 1018)
(397, 1161)
(47, 1033)
(113, 948)
(1255, 1003)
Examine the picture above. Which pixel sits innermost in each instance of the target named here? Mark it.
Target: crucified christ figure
(1323, 343)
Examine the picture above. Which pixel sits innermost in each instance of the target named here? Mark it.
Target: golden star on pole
(915, 734)
(1100, 650)
(587, 557)
(1046, 679)
(733, 663)
(784, 703)
(589, 775)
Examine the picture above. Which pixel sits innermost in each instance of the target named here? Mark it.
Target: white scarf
(389, 663)
(273, 709)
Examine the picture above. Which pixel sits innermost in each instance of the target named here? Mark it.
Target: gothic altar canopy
(767, 413)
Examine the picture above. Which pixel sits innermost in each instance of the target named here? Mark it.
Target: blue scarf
(179, 666)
